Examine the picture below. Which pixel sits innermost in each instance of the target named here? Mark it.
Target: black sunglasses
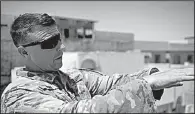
(47, 44)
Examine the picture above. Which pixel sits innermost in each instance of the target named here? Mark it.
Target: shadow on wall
(5, 80)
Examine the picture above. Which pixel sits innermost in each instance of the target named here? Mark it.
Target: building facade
(76, 34)
(167, 52)
(80, 35)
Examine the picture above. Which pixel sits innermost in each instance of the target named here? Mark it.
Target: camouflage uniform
(78, 91)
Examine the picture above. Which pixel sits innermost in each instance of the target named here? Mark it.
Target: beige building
(167, 52)
(76, 34)
(80, 35)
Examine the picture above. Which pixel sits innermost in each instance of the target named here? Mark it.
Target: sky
(147, 20)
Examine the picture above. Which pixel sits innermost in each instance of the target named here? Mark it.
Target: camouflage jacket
(78, 91)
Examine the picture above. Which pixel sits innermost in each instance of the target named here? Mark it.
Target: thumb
(175, 84)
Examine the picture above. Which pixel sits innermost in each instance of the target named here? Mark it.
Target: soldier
(42, 87)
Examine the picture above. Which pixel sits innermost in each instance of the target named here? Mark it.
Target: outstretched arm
(100, 84)
(134, 96)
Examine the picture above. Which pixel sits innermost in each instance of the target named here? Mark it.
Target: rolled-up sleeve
(132, 97)
(100, 84)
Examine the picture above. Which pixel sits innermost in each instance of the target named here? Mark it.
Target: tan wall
(120, 62)
(151, 45)
(112, 46)
(114, 36)
(181, 47)
(183, 55)
(113, 41)
(10, 57)
(106, 62)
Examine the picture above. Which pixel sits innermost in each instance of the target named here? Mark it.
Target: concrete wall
(151, 45)
(181, 47)
(113, 41)
(100, 45)
(114, 36)
(106, 62)
(119, 62)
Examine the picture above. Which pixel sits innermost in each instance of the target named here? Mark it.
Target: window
(80, 33)
(176, 59)
(190, 58)
(146, 58)
(157, 58)
(66, 33)
(88, 33)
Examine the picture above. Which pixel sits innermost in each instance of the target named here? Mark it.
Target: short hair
(23, 24)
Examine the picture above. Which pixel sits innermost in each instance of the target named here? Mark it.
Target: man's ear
(22, 51)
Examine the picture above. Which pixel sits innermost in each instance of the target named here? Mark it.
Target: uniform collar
(47, 76)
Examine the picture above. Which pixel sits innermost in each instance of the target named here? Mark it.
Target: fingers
(183, 78)
(186, 78)
(176, 84)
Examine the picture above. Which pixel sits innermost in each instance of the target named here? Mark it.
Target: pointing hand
(170, 78)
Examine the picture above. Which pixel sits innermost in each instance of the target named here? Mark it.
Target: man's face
(48, 57)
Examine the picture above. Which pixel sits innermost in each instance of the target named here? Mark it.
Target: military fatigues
(78, 91)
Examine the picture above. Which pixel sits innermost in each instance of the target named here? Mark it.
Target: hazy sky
(148, 20)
